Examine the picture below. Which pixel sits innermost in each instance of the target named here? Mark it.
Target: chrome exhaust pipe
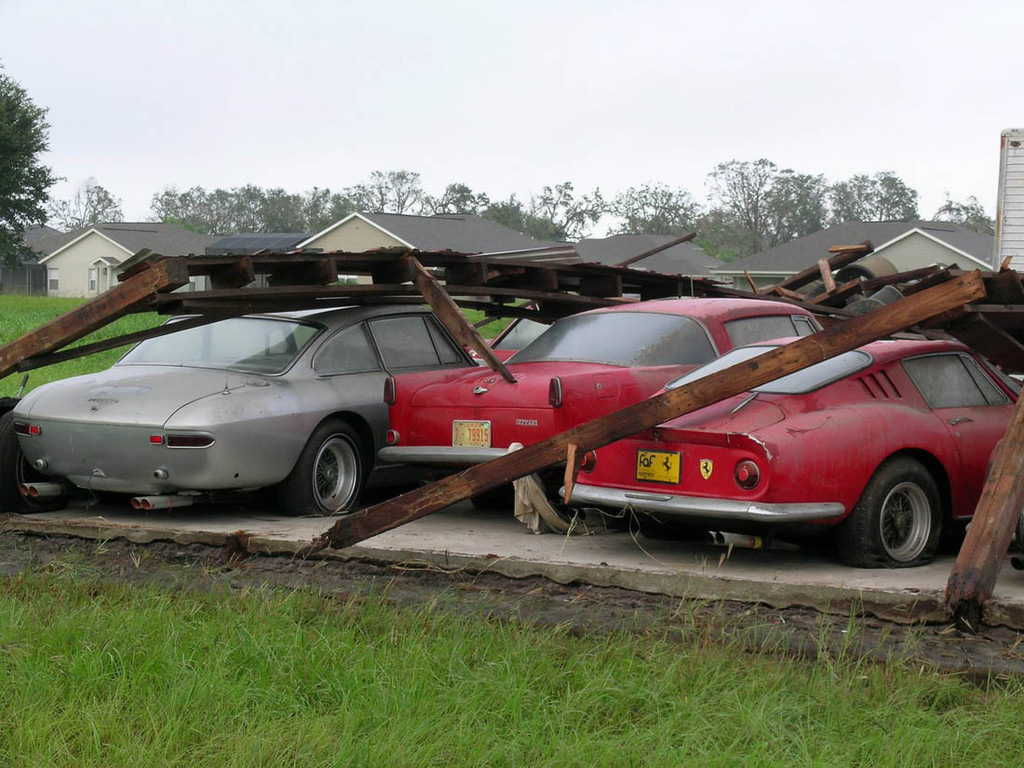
(726, 539)
(147, 503)
(43, 490)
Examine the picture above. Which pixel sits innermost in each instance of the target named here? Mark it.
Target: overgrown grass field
(108, 675)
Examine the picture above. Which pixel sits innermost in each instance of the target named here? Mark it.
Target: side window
(951, 381)
(750, 330)
(446, 349)
(404, 342)
(348, 351)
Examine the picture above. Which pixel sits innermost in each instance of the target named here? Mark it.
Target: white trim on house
(81, 237)
(935, 239)
(107, 261)
(348, 218)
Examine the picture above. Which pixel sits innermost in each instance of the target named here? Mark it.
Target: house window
(53, 279)
(92, 280)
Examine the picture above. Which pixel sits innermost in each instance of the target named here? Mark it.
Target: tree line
(751, 205)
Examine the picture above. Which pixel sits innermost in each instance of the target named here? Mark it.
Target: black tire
(14, 471)
(897, 521)
(328, 477)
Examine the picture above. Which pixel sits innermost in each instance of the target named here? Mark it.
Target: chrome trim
(696, 506)
(438, 454)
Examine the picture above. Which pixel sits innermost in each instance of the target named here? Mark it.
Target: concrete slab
(465, 538)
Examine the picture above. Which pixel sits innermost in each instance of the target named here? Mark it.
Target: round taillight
(391, 437)
(747, 475)
(589, 461)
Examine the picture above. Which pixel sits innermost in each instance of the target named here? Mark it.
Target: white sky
(508, 97)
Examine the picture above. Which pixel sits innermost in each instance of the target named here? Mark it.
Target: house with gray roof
(461, 233)
(86, 262)
(680, 259)
(906, 245)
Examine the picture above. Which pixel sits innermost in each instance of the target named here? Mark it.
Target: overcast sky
(509, 97)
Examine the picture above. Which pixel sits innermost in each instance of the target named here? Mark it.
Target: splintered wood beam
(573, 462)
(751, 283)
(988, 537)
(649, 413)
(124, 298)
(447, 312)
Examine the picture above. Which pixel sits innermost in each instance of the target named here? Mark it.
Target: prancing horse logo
(707, 466)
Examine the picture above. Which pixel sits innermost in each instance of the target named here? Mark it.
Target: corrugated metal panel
(1010, 202)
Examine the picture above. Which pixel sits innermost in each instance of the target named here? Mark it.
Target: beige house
(905, 245)
(86, 262)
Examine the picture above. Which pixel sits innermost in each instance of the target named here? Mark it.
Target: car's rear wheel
(328, 477)
(897, 521)
(15, 470)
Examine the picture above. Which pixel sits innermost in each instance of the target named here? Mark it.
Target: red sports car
(583, 367)
(884, 445)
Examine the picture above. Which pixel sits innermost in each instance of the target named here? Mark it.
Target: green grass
(111, 675)
(21, 314)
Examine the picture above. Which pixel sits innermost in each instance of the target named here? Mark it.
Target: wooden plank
(826, 275)
(647, 254)
(982, 335)
(982, 554)
(862, 248)
(319, 272)
(124, 298)
(838, 295)
(447, 312)
(751, 283)
(648, 413)
(234, 275)
(1004, 288)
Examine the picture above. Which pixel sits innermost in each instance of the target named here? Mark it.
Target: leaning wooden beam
(122, 299)
(447, 312)
(663, 247)
(982, 554)
(644, 415)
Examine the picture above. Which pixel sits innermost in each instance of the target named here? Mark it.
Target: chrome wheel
(336, 474)
(905, 522)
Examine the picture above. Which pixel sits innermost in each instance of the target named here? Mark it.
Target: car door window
(404, 342)
(750, 330)
(348, 351)
(446, 348)
(952, 381)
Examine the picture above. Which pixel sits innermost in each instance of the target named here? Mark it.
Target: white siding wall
(916, 251)
(76, 260)
(1010, 210)
(354, 235)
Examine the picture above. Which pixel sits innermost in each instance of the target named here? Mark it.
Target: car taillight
(390, 391)
(589, 461)
(189, 441)
(747, 475)
(156, 439)
(32, 430)
(555, 392)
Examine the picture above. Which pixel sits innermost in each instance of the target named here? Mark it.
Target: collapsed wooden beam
(123, 299)
(988, 537)
(649, 413)
(841, 256)
(448, 313)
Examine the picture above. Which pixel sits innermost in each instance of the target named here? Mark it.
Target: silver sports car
(292, 400)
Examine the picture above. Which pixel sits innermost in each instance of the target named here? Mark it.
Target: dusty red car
(582, 367)
(882, 446)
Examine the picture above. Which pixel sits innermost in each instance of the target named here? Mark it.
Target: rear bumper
(437, 455)
(697, 507)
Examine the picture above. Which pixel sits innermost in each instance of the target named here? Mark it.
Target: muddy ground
(580, 609)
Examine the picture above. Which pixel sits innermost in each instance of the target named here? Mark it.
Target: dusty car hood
(130, 395)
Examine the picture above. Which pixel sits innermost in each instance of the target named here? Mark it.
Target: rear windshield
(622, 338)
(251, 344)
(805, 380)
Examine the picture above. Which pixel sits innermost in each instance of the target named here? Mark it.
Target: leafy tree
(970, 213)
(456, 199)
(764, 206)
(386, 192)
(882, 197)
(91, 204)
(24, 181)
(655, 209)
(556, 214)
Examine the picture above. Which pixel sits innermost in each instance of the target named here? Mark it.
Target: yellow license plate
(471, 433)
(658, 466)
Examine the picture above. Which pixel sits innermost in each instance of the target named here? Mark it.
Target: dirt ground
(581, 609)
